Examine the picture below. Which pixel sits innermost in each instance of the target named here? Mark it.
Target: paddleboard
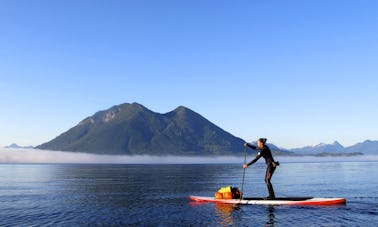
(301, 201)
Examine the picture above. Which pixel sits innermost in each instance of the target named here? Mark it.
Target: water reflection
(226, 214)
(270, 216)
(230, 215)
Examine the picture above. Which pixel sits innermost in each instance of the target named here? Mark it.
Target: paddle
(245, 160)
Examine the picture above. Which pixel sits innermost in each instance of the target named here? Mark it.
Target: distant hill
(15, 146)
(367, 147)
(336, 149)
(133, 129)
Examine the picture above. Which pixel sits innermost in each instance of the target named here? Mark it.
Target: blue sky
(297, 72)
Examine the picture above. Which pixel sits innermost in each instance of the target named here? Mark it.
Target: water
(157, 195)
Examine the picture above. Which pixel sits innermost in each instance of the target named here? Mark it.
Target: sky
(296, 72)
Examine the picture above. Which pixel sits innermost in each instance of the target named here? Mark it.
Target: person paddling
(271, 165)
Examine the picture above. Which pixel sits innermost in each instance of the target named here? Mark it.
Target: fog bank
(8, 155)
(44, 156)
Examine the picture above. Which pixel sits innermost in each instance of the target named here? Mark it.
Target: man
(264, 152)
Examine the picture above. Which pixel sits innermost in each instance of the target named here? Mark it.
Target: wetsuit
(270, 166)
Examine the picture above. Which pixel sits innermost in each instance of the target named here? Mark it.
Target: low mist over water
(43, 156)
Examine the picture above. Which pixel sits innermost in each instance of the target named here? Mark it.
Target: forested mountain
(134, 129)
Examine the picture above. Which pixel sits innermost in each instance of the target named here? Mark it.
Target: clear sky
(297, 72)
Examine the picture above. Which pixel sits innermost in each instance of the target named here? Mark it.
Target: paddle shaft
(245, 160)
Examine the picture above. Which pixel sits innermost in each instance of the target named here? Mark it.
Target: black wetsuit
(270, 166)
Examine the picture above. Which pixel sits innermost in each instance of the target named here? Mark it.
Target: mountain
(367, 147)
(335, 147)
(15, 146)
(133, 129)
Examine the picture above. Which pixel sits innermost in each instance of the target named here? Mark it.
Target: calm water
(157, 195)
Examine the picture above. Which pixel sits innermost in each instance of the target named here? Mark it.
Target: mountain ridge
(319, 148)
(366, 147)
(16, 146)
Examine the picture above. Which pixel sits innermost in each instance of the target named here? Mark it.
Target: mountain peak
(320, 148)
(108, 115)
(13, 145)
(182, 110)
(336, 143)
(137, 106)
